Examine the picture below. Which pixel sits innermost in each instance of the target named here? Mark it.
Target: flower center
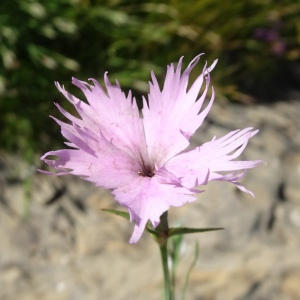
(146, 173)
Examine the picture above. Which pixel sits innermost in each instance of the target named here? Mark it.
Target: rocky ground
(57, 244)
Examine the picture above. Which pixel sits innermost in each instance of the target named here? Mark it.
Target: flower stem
(167, 281)
(162, 240)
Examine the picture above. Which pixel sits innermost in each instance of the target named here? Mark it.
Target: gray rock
(57, 243)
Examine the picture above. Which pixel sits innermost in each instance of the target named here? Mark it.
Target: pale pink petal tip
(137, 232)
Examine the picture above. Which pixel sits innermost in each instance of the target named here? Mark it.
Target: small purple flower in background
(144, 159)
(267, 34)
(273, 38)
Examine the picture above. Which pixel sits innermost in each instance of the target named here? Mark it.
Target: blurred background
(256, 42)
(55, 242)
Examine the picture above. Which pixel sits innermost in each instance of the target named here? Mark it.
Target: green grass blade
(187, 277)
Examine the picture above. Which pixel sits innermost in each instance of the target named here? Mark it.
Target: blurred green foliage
(257, 43)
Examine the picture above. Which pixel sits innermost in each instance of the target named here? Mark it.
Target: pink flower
(144, 159)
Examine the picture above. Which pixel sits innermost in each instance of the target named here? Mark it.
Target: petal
(171, 116)
(189, 171)
(147, 199)
(218, 154)
(114, 114)
(233, 178)
(203, 163)
(98, 161)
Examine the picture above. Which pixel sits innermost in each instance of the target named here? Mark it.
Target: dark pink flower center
(146, 172)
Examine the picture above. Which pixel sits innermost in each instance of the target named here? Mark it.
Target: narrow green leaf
(118, 213)
(186, 230)
(174, 253)
(187, 277)
(150, 229)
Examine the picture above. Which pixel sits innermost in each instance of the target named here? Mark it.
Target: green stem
(167, 281)
(162, 240)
